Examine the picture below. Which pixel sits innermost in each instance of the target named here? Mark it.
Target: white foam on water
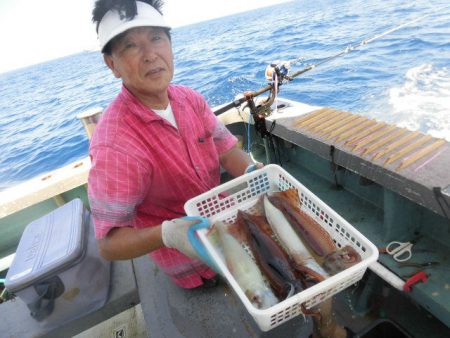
(423, 101)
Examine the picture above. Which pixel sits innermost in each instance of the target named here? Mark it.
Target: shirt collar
(145, 113)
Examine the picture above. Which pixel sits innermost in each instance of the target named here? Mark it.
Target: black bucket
(383, 329)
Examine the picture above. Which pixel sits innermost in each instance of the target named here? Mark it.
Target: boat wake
(423, 101)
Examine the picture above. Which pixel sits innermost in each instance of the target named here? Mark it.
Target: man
(156, 146)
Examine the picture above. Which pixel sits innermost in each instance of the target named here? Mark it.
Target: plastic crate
(223, 202)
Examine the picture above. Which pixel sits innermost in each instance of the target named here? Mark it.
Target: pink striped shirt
(144, 169)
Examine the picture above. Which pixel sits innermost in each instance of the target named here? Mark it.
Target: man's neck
(158, 101)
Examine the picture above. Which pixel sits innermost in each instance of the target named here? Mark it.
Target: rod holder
(90, 118)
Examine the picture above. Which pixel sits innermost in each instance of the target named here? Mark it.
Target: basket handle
(196, 243)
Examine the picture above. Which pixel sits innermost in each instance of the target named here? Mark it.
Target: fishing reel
(278, 71)
(275, 73)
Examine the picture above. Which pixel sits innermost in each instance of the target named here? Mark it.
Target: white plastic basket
(223, 202)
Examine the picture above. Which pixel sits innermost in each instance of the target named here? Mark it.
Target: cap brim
(112, 24)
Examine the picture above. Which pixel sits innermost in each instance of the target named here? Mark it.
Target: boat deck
(384, 201)
(172, 312)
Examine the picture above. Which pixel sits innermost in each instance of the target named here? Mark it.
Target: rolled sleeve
(116, 186)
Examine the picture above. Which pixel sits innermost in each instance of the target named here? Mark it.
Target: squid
(245, 270)
(270, 257)
(292, 244)
(318, 239)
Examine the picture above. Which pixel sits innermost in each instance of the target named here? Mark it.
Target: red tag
(418, 277)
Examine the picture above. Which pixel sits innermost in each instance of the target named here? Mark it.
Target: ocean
(403, 78)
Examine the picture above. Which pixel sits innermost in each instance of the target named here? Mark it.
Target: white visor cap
(112, 25)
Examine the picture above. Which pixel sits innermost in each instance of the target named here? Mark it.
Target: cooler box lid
(47, 245)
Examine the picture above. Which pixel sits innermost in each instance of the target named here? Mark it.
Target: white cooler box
(57, 270)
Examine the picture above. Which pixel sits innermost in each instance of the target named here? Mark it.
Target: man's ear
(110, 63)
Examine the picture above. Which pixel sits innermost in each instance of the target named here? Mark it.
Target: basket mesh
(244, 192)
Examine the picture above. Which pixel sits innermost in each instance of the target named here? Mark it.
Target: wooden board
(355, 132)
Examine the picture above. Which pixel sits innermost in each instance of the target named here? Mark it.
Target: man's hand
(174, 235)
(253, 167)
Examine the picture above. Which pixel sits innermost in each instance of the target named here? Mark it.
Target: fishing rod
(282, 74)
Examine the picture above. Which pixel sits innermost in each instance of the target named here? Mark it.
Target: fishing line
(249, 144)
(348, 49)
(364, 42)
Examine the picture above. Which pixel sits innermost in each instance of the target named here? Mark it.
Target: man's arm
(235, 161)
(127, 243)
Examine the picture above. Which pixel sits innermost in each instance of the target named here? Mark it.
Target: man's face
(143, 59)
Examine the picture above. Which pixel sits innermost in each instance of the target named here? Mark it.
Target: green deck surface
(383, 216)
